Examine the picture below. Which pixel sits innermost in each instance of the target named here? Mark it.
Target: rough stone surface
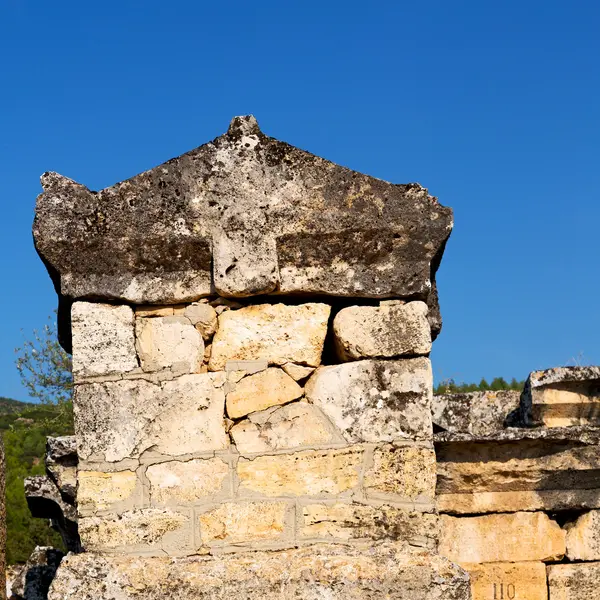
(583, 537)
(45, 502)
(277, 333)
(518, 470)
(297, 372)
(479, 413)
(517, 537)
(121, 419)
(248, 215)
(514, 581)
(204, 318)
(243, 522)
(168, 343)
(285, 427)
(574, 582)
(325, 571)
(154, 311)
(107, 491)
(562, 397)
(61, 465)
(346, 522)
(262, 390)
(103, 339)
(146, 529)
(405, 473)
(310, 473)
(385, 331)
(36, 575)
(376, 400)
(179, 482)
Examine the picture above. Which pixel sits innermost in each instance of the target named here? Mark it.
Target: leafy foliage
(449, 386)
(24, 437)
(44, 367)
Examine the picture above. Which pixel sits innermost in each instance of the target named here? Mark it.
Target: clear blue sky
(494, 106)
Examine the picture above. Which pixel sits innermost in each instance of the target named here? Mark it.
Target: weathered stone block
(168, 343)
(354, 521)
(562, 397)
(244, 522)
(61, 464)
(262, 390)
(405, 473)
(184, 482)
(122, 419)
(384, 331)
(376, 400)
(154, 311)
(115, 491)
(285, 427)
(334, 572)
(308, 473)
(139, 530)
(508, 581)
(203, 317)
(297, 372)
(583, 537)
(518, 470)
(103, 339)
(517, 537)
(277, 333)
(574, 582)
(478, 413)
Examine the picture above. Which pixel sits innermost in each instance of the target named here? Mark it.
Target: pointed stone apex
(51, 180)
(244, 125)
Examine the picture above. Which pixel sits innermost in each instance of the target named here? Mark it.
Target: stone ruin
(250, 328)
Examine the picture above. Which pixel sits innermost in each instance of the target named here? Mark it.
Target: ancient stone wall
(250, 328)
(518, 487)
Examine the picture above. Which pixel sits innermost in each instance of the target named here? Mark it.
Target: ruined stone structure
(250, 328)
(518, 486)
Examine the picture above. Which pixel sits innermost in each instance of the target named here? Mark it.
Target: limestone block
(345, 522)
(516, 537)
(405, 473)
(518, 470)
(384, 331)
(323, 571)
(244, 522)
(307, 473)
(33, 579)
(179, 482)
(142, 530)
(376, 400)
(297, 372)
(562, 397)
(574, 582)
(285, 427)
(98, 491)
(154, 311)
(583, 537)
(121, 419)
(508, 581)
(262, 390)
(61, 464)
(478, 413)
(277, 333)
(103, 339)
(203, 317)
(168, 343)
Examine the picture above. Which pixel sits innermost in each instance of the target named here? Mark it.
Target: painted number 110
(504, 592)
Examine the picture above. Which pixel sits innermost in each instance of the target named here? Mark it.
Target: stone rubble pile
(518, 486)
(250, 328)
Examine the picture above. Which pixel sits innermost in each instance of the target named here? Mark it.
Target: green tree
(45, 368)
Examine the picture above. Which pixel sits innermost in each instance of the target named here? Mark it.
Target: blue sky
(495, 107)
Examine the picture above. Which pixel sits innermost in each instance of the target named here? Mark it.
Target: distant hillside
(8, 405)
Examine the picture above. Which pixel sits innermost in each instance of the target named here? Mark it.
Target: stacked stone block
(519, 492)
(196, 439)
